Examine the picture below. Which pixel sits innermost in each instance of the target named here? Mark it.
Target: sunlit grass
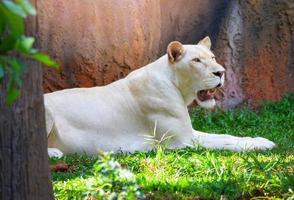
(191, 173)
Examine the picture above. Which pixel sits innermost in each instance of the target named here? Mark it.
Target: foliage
(198, 173)
(107, 181)
(15, 46)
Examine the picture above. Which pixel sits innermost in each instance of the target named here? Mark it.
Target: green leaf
(5, 60)
(7, 44)
(33, 51)
(25, 44)
(14, 22)
(2, 25)
(12, 94)
(15, 69)
(44, 59)
(1, 72)
(27, 6)
(14, 8)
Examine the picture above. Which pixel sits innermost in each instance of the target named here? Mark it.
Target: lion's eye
(196, 60)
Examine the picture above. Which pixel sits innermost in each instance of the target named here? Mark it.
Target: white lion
(120, 116)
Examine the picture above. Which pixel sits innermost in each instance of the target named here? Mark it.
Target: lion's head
(197, 73)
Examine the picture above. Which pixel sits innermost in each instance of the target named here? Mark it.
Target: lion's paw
(53, 152)
(258, 143)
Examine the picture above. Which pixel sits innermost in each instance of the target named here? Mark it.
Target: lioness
(149, 101)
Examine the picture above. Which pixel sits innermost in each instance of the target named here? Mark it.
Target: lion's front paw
(257, 143)
(53, 152)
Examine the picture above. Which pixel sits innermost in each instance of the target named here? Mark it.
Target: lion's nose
(219, 73)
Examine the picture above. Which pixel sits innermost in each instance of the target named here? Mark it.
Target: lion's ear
(205, 42)
(174, 50)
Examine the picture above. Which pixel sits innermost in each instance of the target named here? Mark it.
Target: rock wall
(256, 46)
(98, 42)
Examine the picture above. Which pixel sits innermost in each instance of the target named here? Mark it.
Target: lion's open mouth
(204, 95)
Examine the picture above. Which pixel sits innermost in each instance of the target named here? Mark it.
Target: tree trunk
(24, 168)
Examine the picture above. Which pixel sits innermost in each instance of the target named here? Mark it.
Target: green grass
(192, 173)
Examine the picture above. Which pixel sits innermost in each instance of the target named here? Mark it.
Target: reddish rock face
(256, 46)
(98, 42)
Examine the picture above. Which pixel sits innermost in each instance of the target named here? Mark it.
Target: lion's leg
(229, 142)
(52, 152)
(49, 121)
(184, 135)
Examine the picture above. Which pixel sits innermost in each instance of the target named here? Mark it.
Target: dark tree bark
(24, 168)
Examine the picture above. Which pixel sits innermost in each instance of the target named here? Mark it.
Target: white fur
(120, 115)
(53, 152)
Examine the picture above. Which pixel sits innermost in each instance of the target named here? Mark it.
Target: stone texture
(256, 46)
(98, 42)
